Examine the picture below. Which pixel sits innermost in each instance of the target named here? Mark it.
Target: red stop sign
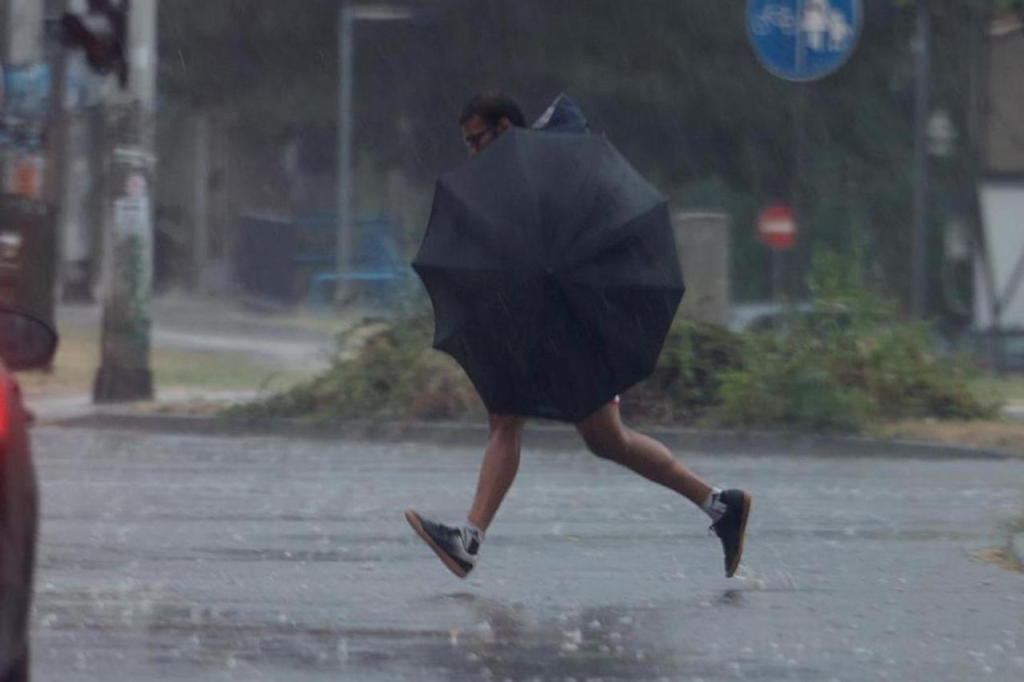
(777, 227)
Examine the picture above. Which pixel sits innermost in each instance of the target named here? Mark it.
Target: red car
(25, 343)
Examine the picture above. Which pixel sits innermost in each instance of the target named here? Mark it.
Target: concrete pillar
(702, 239)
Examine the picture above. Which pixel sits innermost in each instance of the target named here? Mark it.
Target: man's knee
(606, 442)
(603, 433)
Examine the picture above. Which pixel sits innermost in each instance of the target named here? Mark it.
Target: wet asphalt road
(199, 558)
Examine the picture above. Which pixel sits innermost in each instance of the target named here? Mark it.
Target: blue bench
(382, 263)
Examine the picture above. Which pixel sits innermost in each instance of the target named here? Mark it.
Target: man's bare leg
(458, 546)
(498, 470)
(607, 437)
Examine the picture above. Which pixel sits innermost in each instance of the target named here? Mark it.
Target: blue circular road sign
(803, 40)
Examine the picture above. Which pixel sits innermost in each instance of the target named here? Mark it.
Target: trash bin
(28, 256)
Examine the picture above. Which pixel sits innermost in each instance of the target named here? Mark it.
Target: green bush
(395, 375)
(784, 382)
(686, 383)
(848, 360)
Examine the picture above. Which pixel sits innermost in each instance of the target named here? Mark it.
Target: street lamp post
(347, 16)
(344, 232)
(922, 104)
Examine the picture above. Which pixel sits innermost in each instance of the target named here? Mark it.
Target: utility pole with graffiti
(118, 37)
(27, 217)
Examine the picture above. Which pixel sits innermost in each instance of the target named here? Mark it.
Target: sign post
(124, 373)
(799, 41)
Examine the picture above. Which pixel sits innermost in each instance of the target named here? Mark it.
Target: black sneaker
(732, 526)
(455, 548)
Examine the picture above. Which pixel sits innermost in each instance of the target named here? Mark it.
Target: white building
(1001, 186)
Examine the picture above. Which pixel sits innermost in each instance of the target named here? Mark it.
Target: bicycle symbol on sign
(774, 16)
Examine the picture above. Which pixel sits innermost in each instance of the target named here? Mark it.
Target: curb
(545, 436)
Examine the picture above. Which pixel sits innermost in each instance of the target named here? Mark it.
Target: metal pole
(77, 182)
(344, 226)
(919, 242)
(200, 203)
(786, 262)
(777, 276)
(124, 372)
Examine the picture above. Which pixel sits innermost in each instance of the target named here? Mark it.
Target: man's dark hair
(491, 107)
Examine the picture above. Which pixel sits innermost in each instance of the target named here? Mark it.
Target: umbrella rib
(534, 192)
(621, 234)
(574, 233)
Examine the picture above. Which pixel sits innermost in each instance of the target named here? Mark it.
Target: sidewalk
(205, 353)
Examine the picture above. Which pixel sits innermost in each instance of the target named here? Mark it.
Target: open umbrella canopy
(552, 268)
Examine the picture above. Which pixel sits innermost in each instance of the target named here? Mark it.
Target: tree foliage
(673, 83)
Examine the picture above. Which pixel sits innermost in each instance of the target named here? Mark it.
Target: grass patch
(1002, 435)
(78, 357)
(1001, 557)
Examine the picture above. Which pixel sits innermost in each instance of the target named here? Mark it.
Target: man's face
(478, 133)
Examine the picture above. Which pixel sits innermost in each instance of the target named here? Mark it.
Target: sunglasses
(475, 140)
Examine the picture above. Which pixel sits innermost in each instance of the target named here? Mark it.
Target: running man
(483, 120)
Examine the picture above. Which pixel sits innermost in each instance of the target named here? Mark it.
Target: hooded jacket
(563, 116)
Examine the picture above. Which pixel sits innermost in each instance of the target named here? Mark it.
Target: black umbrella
(552, 268)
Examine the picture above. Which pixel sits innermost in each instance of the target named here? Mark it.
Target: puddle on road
(504, 641)
(490, 639)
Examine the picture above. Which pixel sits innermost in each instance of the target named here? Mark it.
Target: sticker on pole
(131, 211)
(803, 40)
(776, 227)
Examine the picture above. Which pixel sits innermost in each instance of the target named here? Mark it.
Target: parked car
(769, 316)
(25, 342)
(1000, 352)
(778, 318)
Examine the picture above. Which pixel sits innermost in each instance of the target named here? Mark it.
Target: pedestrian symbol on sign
(822, 22)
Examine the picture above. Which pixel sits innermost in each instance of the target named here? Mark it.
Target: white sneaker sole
(414, 521)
